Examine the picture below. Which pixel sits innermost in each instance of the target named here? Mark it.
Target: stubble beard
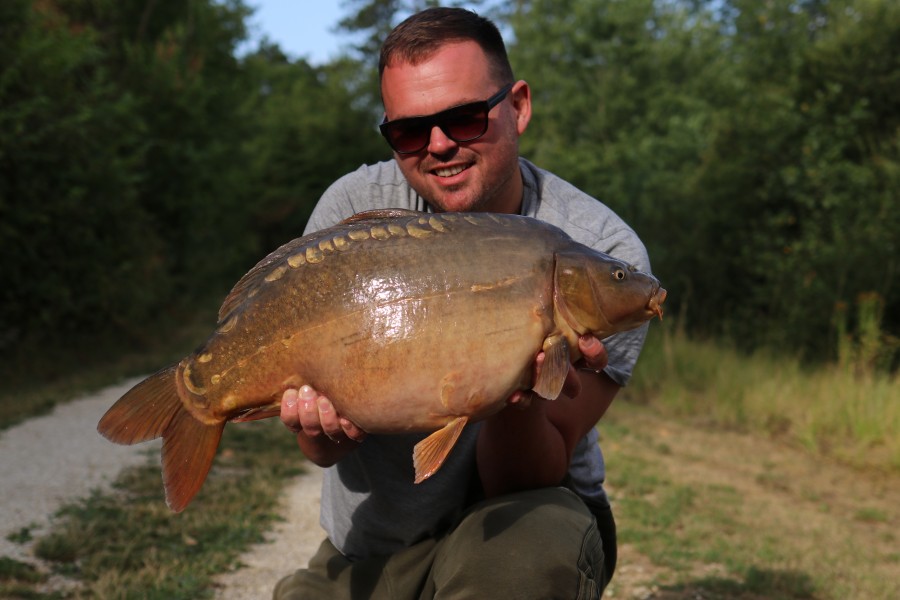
(485, 198)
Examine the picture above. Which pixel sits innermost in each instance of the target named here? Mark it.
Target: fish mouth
(654, 305)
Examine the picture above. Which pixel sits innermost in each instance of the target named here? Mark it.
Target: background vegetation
(752, 144)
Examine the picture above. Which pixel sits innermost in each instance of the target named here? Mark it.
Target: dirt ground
(834, 524)
(51, 459)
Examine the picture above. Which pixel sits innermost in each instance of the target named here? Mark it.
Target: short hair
(424, 33)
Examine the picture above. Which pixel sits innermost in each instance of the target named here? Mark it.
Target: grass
(127, 544)
(713, 538)
(18, 580)
(713, 526)
(839, 411)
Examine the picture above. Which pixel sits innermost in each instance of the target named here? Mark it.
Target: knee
(541, 541)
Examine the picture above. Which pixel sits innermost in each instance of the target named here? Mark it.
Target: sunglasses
(462, 123)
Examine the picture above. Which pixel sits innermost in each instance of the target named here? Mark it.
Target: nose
(439, 142)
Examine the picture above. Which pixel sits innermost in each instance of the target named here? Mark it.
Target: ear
(521, 102)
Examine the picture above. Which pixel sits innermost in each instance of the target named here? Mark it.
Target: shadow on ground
(758, 584)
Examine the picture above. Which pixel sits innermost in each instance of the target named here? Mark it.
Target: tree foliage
(143, 165)
(753, 144)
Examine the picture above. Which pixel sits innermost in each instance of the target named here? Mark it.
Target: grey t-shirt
(370, 504)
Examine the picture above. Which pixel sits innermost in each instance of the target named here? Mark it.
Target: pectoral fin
(553, 372)
(430, 453)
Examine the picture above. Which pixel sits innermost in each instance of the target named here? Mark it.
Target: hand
(305, 411)
(525, 449)
(594, 352)
(594, 356)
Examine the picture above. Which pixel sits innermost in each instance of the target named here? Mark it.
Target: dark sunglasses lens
(465, 124)
(407, 135)
(461, 124)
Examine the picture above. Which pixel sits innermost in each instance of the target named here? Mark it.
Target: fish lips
(657, 297)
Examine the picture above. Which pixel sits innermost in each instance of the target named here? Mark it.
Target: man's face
(480, 175)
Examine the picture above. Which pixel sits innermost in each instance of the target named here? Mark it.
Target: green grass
(679, 526)
(838, 411)
(701, 508)
(17, 579)
(128, 544)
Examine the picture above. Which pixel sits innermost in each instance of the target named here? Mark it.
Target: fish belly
(447, 357)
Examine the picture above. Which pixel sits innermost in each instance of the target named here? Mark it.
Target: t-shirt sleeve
(336, 204)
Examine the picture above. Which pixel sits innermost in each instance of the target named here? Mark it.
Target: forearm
(520, 449)
(528, 448)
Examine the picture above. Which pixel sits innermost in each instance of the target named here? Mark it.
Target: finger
(329, 419)
(539, 362)
(594, 352)
(289, 414)
(308, 410)
(520, 399)
(352, 431)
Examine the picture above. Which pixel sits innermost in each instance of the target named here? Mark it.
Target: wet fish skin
(406, 321)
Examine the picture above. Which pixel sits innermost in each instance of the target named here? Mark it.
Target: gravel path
(53, 459)
(289, 545)
(57, 458)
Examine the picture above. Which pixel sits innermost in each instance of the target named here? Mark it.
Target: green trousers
(539, 544)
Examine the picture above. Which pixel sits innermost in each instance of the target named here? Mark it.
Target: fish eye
(619, 274)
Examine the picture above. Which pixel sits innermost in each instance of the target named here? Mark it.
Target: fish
(406, 321)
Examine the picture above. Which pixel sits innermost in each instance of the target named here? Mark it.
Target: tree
(310, 131)
(118, 191)
(752, 144)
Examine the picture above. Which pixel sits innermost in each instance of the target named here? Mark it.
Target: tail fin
(189, 447)
(144, 412)
(152, 409)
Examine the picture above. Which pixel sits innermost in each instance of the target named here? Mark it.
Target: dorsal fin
(381, 213)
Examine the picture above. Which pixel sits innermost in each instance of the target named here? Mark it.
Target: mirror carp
(406, 321)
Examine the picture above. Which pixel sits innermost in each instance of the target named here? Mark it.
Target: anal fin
(260, 412)
(430, 453)
(553, 371)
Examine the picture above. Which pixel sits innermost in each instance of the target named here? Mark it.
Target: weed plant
(128, 544)
(848, 410)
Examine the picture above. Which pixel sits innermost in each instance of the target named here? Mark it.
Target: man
(518, 509)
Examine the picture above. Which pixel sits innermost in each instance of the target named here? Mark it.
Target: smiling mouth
(449, 171)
